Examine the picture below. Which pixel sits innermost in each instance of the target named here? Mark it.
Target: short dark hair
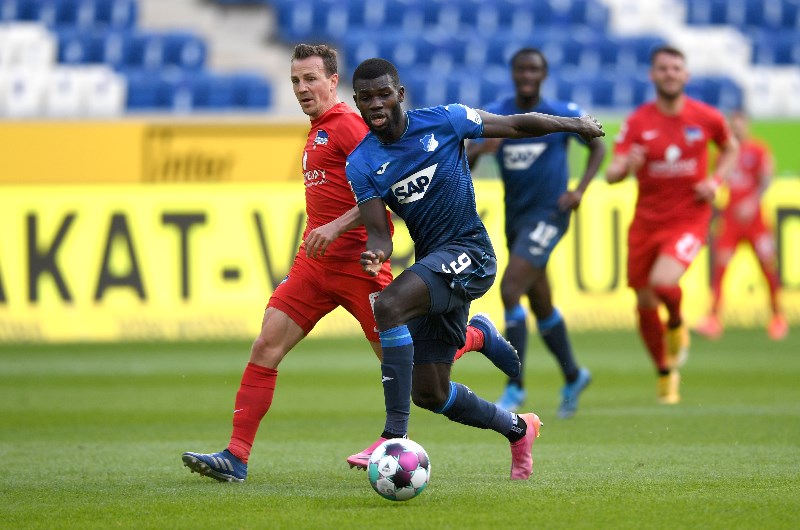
(375, 68)
(325, 52)
(667, 49)
(525, 51)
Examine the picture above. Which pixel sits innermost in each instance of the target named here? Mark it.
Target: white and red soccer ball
(399, 469)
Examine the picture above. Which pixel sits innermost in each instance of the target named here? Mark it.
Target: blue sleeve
(360, 183)
(466, 121)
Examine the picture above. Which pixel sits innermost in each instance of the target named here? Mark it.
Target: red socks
(716, 288)
(473, 342)
(252, 403)
(652, 331)
(671, 296)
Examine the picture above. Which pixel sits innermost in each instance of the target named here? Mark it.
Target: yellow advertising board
(130, 152)
(139, 262)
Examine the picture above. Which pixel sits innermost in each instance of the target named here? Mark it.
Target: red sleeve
(628, 134)
(720, 132)
(349, 132)
(766, 166)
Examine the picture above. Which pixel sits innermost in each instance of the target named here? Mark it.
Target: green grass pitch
(91, 437)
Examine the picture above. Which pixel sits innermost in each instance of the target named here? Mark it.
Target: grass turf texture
(92, 435)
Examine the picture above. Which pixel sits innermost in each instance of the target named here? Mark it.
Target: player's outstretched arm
(571, 199)
(379, 236)
(537, 124)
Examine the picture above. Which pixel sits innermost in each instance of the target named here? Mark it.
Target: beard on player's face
(670, 90)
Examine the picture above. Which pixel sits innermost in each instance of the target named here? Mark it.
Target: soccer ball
(399, 469)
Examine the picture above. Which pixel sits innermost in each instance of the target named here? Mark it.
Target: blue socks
(398, 362)
(553, 331)
(463, 406)
(517, 335)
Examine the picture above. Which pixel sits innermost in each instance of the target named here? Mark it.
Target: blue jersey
(424, 178)
(534, 170)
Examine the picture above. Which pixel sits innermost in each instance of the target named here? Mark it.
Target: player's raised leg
(491, 344)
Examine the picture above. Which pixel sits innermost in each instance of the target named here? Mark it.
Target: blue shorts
(538, 236)
(455, 275)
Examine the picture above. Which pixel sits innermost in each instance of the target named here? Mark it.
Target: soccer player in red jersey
(326, 272)
(664, 143)
(742, 221)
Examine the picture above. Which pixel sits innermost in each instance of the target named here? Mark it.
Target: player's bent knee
(388, 311)
(427, 400)
(265, 354)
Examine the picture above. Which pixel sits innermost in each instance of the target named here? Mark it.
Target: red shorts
(314, 288)
(645, 245)
(756, 233)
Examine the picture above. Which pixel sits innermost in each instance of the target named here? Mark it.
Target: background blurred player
(414, 162)
(742, 221)
(537, 211)
(665, 144)
(325, 273)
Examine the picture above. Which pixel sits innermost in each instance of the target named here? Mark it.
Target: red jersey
(332, 137)
(752, 167)
(676, 160)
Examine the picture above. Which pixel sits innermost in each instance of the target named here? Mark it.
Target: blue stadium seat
(116, 14)
(147, 91)
(721, 92)
(79, 46)
(590, 13)
(152, 50)
(776, 47)
(627, 53)
(19, 10)
(475, 87)
(184, 49)
(251, 92)
(113, 14)
(790, 15)
(705, 12)
(208, 92)
(181, 91)
(481, 17)
(304, 21)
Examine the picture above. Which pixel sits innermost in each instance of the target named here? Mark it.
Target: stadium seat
(105, 92)
(303, 21)
(63, 95)
(27, 45)
(148, 91)
(116, 14)
(184, 49)
(23, 94)
(251, 92)
(153, 50)
(19, 10)
(705, 12)
(721, 92)
(764, 93)
(83, 91)
(76, 46)
(480, 17)
(776, 47)
(589, 13)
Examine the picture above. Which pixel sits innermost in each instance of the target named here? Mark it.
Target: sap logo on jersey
(522, 156)
(413, 188)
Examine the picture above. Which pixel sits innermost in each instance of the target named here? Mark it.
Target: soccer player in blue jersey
(415, 162)
(537, 210)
